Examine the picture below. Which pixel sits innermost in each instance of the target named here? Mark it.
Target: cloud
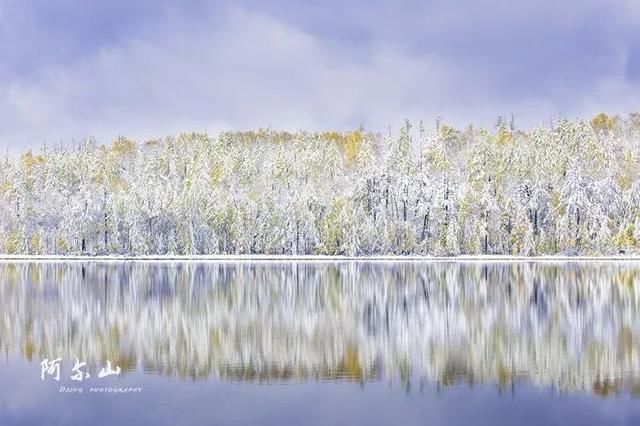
(275, 64)
(252, 71)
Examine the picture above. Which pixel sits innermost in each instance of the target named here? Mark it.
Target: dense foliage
(570, 189)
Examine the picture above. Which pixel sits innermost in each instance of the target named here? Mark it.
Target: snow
(319, 259)
(570, 190)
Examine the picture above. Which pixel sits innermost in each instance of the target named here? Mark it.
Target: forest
(569, 188)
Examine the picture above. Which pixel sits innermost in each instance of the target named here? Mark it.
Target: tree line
(572, 188)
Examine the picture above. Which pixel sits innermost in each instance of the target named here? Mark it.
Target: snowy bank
(319, 259)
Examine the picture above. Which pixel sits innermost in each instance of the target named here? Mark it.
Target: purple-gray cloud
(71, 69)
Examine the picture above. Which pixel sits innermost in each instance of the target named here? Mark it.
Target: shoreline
(317, 259)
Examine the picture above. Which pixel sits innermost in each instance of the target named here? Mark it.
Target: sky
(70, 69)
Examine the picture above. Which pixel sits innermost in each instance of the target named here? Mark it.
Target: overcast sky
(144, 68)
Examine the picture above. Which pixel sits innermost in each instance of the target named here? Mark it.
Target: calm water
(321, 343)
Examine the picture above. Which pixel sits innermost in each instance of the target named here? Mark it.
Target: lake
(319, 343)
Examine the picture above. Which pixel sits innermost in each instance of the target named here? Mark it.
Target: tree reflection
(573, 327)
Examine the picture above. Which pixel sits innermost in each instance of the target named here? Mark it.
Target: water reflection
(572, 327)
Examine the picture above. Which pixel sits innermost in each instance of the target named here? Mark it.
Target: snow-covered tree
(571, 189)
